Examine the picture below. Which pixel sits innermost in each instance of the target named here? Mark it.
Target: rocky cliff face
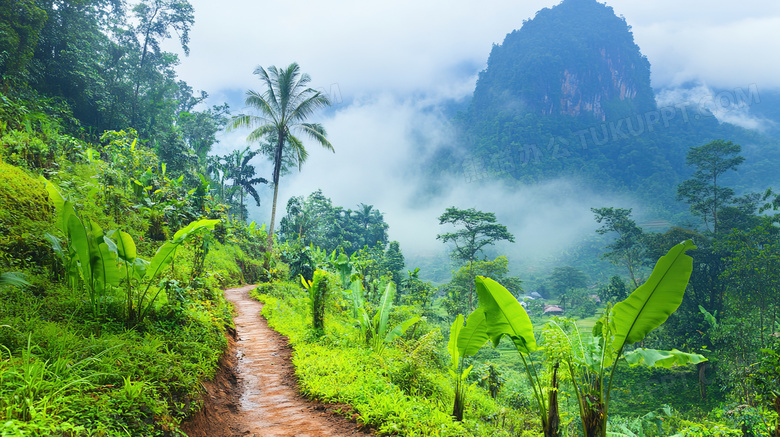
(576, 59)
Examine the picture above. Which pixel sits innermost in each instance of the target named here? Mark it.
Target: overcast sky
(388, 64)
(412, 46)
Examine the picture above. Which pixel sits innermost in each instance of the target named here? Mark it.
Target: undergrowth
(405, 390)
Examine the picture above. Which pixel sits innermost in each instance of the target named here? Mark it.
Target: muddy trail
(255, 391)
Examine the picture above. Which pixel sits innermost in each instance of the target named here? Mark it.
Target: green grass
(406, 390)
(62, 372)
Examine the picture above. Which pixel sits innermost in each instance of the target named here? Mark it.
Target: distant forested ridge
(569, 94)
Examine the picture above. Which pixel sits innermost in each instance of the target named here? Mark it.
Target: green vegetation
(119, 228)
(478, 229)
(702, 191)
(95, 339)
(111, 310)
(398, 390)
(314, 220)
(568, 94)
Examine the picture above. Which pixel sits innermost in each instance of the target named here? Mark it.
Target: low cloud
(728, 106)
(382, 144)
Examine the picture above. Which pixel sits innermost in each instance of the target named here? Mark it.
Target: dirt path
(255, 391)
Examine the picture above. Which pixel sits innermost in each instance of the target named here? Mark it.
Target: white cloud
(408, 46)
(728, 106)
(401, 46)
(723, 44)
(380, 141)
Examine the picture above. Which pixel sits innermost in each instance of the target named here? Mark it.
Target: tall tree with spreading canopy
(479, 229)
(702, 191)
(284, 107)
(629, 248)
(156, 19)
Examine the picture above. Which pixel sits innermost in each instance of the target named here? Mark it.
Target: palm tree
(242, 173)
(284, 107)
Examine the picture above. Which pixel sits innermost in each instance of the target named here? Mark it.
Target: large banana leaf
(59, 203)
(383, 312)
(651, 304)
(401, 328)
(164, 254)
(79, 241)
(474, 335)
(103, 260)
(132, 267)
(197, 225)
(359, 307)
(452, 343)
(665, 359)
(125, 246)
(505, 315)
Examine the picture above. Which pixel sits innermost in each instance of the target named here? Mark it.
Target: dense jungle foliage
(119, 228)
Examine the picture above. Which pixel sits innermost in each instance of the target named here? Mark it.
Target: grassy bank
(404, 390)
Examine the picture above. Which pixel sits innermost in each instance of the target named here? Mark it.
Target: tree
(629, 248)
(394, 262)
(702, 191)
(199, 129)
(284, 107)
(613, 292)
(315, 220)
(565, 281)
(463, 281)
(156, 18)
(373, 228)
(20, 25)
(753, 275)
(416, 292)
(243, 174)
(479, 230)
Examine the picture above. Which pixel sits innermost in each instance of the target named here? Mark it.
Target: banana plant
(463, 342)
(342, 263)
(359, 312)
(318, 290)
(95, 260)
(592, 363)
(504, 316)
(375, 330)
(90, 260)
(161, 259)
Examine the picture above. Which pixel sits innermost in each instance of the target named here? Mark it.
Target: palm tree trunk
(276, 175)
(270, 242)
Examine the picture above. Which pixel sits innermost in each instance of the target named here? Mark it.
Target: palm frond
(259, 133)
(263, 104)
(307, 107)
(270, 93)
(299, 151)
(252, 192)
(15, 279)
(248, 156)
(317, 132)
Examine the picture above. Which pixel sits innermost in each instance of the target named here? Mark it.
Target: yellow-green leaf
(505, 315)
(651, 304)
